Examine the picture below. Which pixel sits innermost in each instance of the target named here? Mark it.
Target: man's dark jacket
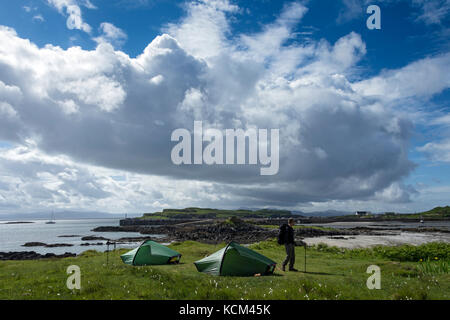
(289, 234)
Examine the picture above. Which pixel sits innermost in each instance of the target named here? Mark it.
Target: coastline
(348, 235)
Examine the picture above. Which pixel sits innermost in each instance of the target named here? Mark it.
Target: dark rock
(116, 229)
(90, 238)
(135, 239)
(31, 255)
(41, 244)
(34, 244)
(221, 230)
(426, 229)
(18, 222)
(92, 244)
(69, 236)
(55, 245)
(236, 221)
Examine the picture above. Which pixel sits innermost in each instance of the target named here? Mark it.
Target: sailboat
(52, 219)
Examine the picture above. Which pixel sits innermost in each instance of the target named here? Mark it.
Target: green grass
(434, 266)
(332, 274)
(438, 212)
(153, 216)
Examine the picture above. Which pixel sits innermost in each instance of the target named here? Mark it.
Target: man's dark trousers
(290, 255)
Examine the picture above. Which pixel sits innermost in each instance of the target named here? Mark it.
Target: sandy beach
(364, 241)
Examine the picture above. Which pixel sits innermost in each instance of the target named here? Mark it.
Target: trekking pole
(305, 257)
(107, 252)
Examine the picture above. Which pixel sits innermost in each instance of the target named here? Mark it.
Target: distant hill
(209, 213)
(326, 213)
(194, 212)
(435, 213)
(438, 211)
(64, 215)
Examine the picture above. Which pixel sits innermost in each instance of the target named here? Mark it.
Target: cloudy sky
(91, 90)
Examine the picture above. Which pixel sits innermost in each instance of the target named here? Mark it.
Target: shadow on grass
(312, 272)
(272, 275)
(254, 276)
(322, 273)
(170, 265)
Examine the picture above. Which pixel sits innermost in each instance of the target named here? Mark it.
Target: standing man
(289, 244)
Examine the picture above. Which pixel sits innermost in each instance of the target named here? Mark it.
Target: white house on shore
(362, 213)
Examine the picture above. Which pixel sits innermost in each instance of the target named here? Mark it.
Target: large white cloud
(33, 181)
(339, 139)
(204, 30)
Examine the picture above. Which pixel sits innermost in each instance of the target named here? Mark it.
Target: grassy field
(438, 212)
(332, 274)
(215, 213)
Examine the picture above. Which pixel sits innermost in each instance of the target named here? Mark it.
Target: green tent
(235, 260)
(150, 252)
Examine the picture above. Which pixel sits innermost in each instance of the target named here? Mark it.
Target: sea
(13, 236)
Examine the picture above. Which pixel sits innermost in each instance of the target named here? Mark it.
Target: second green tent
(236, 260)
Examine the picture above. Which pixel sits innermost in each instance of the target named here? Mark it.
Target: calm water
(13, 236)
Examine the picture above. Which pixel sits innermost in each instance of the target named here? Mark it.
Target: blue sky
(401, 69)
(402, 39)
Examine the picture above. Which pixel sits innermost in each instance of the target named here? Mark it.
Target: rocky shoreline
(216, 231)
(243, 231)
(32, 255)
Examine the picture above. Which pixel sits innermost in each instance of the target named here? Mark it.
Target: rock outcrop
(31, 255)
(41, 244)
(92, 244)
(92, 238)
